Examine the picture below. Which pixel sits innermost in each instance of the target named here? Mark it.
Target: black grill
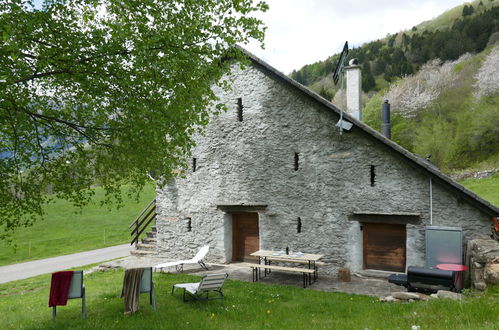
(425, 279)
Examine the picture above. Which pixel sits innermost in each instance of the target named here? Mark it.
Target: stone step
(371, 273)
(154, 229)
(149, 240)
(151, 234)
(145, 246)
(142, 253)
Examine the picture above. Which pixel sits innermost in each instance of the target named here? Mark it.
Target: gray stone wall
(251, 162)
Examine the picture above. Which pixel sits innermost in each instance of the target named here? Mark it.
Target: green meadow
(24, 305)
(487, 188)
(68, 229)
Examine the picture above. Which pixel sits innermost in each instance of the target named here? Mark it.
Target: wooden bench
(295, 261)
(307, 279)
(316, 264)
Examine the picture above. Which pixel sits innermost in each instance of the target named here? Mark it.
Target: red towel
(59, 288)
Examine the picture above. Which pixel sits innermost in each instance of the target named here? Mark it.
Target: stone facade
(250, 165)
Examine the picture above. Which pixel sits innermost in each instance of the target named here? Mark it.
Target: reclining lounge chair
(200, 291)
(179, 264)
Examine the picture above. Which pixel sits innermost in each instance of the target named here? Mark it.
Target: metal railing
(142, 221)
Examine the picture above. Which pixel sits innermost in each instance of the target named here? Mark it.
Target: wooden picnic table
(267, 256)
(292, 256)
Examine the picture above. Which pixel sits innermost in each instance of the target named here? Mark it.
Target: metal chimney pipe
(386, 127)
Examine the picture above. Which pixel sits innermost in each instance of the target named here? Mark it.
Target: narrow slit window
(298, 226)
(373, 175)
(239, 109)
(194, 164)
(297, 161)
(189, 224)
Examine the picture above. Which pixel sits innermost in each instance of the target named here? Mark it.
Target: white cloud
(305, 31)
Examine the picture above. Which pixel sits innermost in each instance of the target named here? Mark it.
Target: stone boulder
(484, 261)
(448, 295)
(423, 296)
(480, 285)
(406, 295)
(491, 273)
(389, 299)
(484, 251)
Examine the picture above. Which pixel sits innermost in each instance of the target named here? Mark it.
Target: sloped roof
(413, 159)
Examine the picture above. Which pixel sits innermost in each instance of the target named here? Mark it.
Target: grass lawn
(487, 188)
(67, 229)
(24, 304)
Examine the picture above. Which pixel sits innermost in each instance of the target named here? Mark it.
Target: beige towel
(131, 289)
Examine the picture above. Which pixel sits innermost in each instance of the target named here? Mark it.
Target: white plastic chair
(179, 264)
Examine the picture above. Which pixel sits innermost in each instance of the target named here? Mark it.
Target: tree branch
(49, 120)
(40, 146)
(43, 74)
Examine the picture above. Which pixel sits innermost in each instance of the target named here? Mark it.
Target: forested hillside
(469, 29)
(449, 110)
(442, 79)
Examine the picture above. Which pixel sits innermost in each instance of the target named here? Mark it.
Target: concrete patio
(364, 284)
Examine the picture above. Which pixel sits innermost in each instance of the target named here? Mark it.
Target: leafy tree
(368, 82)
(398, 56)
(107, 91)
(378, 66)
(465, 10)
(468, 10)
(388, 74)
(471, 9)
(487, 77)
(406, 40)
(328, 66)
(391, 40)
(297, 75)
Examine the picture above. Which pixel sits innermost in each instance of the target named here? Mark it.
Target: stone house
(274, 171)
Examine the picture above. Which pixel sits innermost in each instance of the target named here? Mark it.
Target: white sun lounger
(179, 264)
(200, 291)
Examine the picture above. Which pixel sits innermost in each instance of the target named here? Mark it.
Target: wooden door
(245, 236)
(384, 246)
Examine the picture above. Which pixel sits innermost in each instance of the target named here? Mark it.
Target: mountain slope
(444, 95)
(447, 37)
(449, 110)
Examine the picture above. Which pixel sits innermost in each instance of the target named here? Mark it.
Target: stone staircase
(147, 246)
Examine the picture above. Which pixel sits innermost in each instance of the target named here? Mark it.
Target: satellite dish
(341, 61)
